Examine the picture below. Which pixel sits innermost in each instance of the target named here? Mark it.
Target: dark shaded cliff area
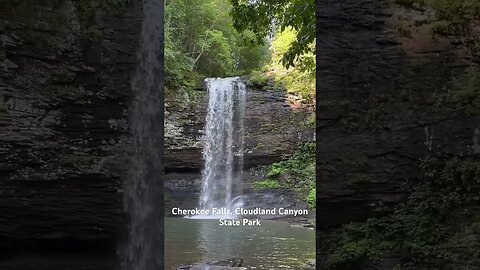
(64, 93)
(396, 94)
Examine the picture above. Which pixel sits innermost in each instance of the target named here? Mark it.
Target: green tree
(250, 55)
(300, 79)
(262, 16)
(216, 57)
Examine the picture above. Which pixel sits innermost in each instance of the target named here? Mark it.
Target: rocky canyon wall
(274, 129)
(64, 93)
(384, 85)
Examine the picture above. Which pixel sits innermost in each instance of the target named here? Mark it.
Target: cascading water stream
(144, 192)
(223, 143)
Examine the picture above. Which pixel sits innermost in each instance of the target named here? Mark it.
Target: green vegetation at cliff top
(297, 15)
(292, 48)
(201, 41)
(230, 38)
(299, 79)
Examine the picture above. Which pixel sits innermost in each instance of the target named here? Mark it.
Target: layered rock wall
(273, 129)
(384, 82)
(64, 93)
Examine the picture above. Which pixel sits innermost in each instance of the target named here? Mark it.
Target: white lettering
(248, 222)
(228, 222)
(189, 212)
(293, 212)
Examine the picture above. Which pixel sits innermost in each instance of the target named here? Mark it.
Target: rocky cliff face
(64, 93)
(384, 86)
(273, 129)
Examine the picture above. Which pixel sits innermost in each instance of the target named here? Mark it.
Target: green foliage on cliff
(438, 226)
(311, 121)
(200, 41)
(258, 79)
(301, 165)
(453, 18)
(312, 198)
(266, 184)
(458, 13)
(299, 170)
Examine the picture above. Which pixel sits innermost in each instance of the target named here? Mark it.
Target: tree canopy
(261, 16)
(218, 38)
(200, 40)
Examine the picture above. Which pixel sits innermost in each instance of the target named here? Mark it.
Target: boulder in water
(311, 264)
(229, 264)
(233, 262)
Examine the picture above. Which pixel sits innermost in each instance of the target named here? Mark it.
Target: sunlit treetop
(260, 16)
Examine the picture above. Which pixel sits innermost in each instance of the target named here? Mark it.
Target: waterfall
(144, 192)
(223, 141)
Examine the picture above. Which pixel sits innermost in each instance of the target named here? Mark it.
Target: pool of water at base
(273, 245)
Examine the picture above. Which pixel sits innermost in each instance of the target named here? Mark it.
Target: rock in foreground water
(229, 264)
